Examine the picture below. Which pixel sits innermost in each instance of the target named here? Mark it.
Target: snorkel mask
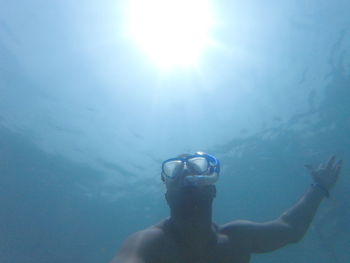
(202, 169)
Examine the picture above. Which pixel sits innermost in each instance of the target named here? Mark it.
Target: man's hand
(326, 175)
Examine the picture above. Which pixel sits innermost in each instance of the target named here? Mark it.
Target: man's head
(190, 179)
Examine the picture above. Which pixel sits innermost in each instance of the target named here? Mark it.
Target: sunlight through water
(172, 33)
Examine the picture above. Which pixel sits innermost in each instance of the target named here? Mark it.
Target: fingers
(332, 166)
(321, 166)
(330, 162)
(337, 168)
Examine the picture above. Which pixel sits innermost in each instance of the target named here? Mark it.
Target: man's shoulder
(142, 244)
(149, 235)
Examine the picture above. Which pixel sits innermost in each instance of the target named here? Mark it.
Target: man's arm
(291, 226)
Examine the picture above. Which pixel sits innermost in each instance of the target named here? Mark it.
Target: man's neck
(192, 225)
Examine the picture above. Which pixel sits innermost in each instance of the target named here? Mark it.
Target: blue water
(86, 119)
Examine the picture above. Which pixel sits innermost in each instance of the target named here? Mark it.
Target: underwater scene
(96, 95)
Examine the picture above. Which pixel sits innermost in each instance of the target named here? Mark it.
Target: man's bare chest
(223, 251)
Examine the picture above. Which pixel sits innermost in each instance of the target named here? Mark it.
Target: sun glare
(171, 32)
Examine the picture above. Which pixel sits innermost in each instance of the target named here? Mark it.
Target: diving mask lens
(198, 165)
(198, 169)
(172, 168)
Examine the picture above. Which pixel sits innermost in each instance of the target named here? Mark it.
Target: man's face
(179, 181)
(183, 195)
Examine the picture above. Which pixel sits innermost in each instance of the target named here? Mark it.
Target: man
(189, 236)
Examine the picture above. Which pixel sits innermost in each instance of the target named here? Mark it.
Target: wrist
(321, 188)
